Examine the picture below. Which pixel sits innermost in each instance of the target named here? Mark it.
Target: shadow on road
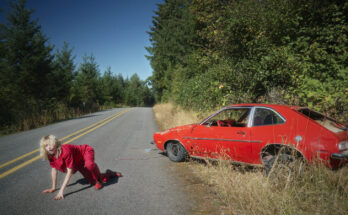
(84, 181)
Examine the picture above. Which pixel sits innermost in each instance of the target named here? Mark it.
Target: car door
(267, 128)
(224, 135)
(204, 141)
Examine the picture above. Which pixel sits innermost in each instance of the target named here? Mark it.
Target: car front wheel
(176, 152)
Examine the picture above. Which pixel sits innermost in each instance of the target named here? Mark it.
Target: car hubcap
(175, 149)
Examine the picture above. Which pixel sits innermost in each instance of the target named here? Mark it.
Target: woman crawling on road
(69, 159)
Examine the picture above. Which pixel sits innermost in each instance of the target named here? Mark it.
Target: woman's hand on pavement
(59, 196)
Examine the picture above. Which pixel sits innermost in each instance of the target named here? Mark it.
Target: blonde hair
(48, 140)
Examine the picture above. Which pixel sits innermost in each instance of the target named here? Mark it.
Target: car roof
(265, 105)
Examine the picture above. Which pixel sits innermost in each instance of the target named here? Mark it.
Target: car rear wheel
(284, 164)
(277, 162)
(176, 152)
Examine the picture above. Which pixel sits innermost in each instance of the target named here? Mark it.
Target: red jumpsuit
(78, 158)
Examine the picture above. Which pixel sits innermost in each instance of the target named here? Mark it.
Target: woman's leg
(90, 165)
(87, 174)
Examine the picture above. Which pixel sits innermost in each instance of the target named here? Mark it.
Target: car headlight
(343, 145)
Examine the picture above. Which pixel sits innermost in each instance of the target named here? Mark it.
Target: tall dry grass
(244, 190)
(317, 190)
(168, 115)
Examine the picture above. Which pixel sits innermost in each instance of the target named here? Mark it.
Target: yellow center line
(36, 150)
(69, 141)
(19, 158)
(86, 127)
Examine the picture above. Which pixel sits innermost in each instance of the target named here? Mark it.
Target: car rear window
(323, 120)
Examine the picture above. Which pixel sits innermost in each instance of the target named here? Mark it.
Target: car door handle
(241, 132)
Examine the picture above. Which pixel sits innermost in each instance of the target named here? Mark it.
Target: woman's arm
(60, 194)
(54, 181)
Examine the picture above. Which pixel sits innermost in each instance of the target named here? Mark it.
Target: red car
(256, 133)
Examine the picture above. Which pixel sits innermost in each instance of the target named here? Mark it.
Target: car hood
(180, 130)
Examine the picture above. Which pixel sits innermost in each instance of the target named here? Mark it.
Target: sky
(114, 31)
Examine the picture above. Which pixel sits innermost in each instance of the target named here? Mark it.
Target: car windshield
(323, 120)
(233, 117)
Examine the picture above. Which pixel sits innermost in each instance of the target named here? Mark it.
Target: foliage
(63, 73)
(292, 52)
(26, 62)
(172, 37)
(85, 86)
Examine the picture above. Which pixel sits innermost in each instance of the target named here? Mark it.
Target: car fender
(176, 141)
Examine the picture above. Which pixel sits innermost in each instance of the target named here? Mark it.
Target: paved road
(148, 186)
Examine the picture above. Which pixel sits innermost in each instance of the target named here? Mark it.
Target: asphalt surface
(148, 185)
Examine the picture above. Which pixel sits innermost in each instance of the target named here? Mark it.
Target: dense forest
(210, 53)
(40, 84)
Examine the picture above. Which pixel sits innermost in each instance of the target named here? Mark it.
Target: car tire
(277, 161)
(176, 152)
(292, 165)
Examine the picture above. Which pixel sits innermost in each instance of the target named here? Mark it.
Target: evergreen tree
(118, 93)
(6, 101)
(27, 61)
(85, 89)
(63, 74)
(133, 91)
(137, 92)
(108, 87)
(172, 38)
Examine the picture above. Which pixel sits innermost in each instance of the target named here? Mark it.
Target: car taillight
(343, 146)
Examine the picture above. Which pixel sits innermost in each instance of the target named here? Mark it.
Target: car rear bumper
(340, 156)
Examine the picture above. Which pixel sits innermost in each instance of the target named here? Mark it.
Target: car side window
(234, 117)
(263, 116)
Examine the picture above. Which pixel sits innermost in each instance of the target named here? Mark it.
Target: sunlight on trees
(210, 53)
